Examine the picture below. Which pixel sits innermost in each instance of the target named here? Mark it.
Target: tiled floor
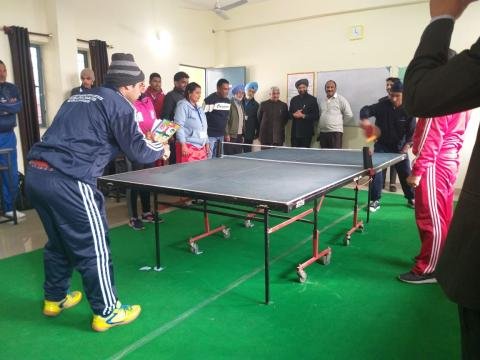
(29, 235)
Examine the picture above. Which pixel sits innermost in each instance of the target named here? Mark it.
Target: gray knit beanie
(123, 71)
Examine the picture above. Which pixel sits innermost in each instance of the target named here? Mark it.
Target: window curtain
(23, 73)
(99, 57)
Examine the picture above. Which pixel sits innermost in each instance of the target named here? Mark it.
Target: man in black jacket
(87, 77)
(397, 129)
(252, 125)
(180, 81)
(304, 113)
(435, 87)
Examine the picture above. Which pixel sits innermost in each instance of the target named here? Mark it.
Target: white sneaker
(374, 205)
(20, 215)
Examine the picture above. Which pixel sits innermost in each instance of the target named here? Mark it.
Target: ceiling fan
(221, 10)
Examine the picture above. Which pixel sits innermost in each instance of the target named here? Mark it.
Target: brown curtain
(99, 57)
(23, 74)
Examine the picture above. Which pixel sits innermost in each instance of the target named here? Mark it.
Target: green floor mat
(210, 306)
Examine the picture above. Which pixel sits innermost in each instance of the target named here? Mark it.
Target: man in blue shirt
(89, 130)
(10, 105)
(217, 108)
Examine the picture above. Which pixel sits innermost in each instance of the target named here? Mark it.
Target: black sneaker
(136, 224)
(374, 205)
(412, 278)
(411, 203)
(150, 218)
(393, 188)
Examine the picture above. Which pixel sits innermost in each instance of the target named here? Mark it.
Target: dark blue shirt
(252, 125)
(80, 90)
(217, 110)
(10, 105)
(89, 130)
(396, 126)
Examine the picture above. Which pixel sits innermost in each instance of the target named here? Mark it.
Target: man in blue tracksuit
(10, 105)
(89, 130)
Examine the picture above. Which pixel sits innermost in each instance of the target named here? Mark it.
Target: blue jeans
(9, 190)
(213, 140)
(403, 170)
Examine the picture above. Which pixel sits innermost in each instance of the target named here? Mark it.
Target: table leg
(357, 224)
(267, 255)
(322, 256)
(157, 234)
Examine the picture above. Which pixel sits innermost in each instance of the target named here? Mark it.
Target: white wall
(186, 37)
(262, 36)
(319, 42)
(14, 13)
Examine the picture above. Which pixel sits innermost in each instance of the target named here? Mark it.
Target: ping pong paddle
(371, 132)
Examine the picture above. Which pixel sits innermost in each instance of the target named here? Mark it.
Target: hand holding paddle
(371, 131)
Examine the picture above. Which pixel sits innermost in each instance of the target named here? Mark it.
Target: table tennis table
(269, 183)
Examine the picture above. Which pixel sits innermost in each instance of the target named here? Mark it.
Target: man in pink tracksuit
(436, 144)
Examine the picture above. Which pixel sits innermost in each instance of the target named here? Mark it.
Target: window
(35, 52)
(82, 60)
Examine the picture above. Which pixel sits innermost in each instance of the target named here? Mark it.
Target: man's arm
(180, 119)
(410, 129)
(229, 125)
(432, 132)
(452, 8)
(259, 117)
(368, 111)
(286, 114)
(168, 107)
(371, 131)
(290, 108)
(257, 123)
(313, 112)
(347, 112)
(132, 141)
(12, 107)
(436, 87)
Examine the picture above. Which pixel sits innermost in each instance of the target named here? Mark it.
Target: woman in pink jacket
(145, 117)
(436, 145)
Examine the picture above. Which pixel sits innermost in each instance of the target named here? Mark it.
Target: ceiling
(209, 4)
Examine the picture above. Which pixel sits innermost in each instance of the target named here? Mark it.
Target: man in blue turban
(252, 85)
(234, 131)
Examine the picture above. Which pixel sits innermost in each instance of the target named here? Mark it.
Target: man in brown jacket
(273, 116)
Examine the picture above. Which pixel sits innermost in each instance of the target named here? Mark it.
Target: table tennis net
(290, 155)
